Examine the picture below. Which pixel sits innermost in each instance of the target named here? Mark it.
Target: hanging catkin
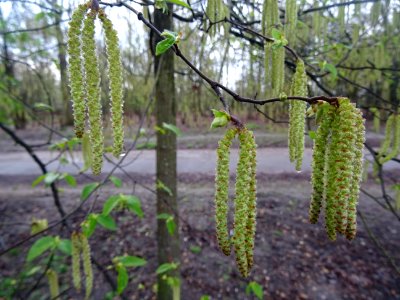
(92, 83)
(391, 144)
(222, 191)
(338, 162)
(76, 266)
(115, 78)
(52, 278)
(291, 21)
(87, 265)
(75, 69)
(297, 113)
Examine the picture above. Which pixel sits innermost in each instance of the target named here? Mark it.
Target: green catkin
(243, 180)
(115, 78)
(383, 151)
(341, 16)
(339, 173)
(76, 267)
(86, 151)
(87, 265)
(52, 278)
(377, 119)
(278, 70)
(325, 113)
(291, 21)
(252, 200)
(216, 11)
(75, 69)
(267, 64)
(395, 141)
(222, 190)
(92, 78)
(297, 113)
(359, 128)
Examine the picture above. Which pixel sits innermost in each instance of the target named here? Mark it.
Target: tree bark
(168, 245)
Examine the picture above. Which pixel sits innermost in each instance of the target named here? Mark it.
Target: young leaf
(87, 190)
(161, 186)
(134, 205)
(38, 180)
(170, 39)
(117, 182)
(89, 225)
(65, 246)
(171, 225)
(131, 261)
(122, 280)
(330, 68)
(107, 222)
(256, 289)
(42, 106)
(110, 204)
(164, 216)
(221, 118)
(166, 267)
(179, 2)
(51, 177)
(70, 180)
(40, 246)
(312, 134)
(172, 128)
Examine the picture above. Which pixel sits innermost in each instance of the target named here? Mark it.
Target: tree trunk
(168, 245)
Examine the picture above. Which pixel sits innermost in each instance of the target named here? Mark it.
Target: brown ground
(293, 259)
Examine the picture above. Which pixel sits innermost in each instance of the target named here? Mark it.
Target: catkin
(359, 128)
(76, 267)
(325, 114)
(87, 265)
(222, 191)
(297, 112)
(377, 119)
(92, 78)
(52, 278)
(291, 20)
(392, 139)
(115, 78)
(75, 69)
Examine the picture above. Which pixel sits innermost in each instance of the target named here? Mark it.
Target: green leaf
(179, 2)
(40, 246)
(88, 189)
(172, 128)
(110, 204)
(164, 216)
(134, 205)
(89, 225)
(256, 289)
(312, 134)
(117, 182)
(161, 186)
(221, 118)
(195, 249)
(330, 68)
(205, 297)
(276, 34)
(166, 267)
(170, 39)
(65, 246)
(171, 226)
(70, 180)
(51, 177)
(122, 280)
(107, 222)
(38, 180)
(131, 261)
(42, 106)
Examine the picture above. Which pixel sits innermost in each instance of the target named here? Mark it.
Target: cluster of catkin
(245, 199)
(337, 167)
(297, 114)
(81, 247)
(391, 144)
(216, 12)
(84, 78)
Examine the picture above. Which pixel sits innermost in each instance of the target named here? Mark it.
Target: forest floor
(293, 259)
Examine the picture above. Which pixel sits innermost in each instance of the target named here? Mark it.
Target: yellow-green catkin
(115, 78)
(339, 174)
(216, 11)
(222, 190)
(52, 278)
(341, 16)
(87, 265)
(359, 129)
(278, 70)
(291, 21)
(297, 113)
(76, 266)
(86, 151)
(325, 114)
(252, 199)
(242, 185)
(377, 119)
(391, 141)
(75, 69)
(92, 80)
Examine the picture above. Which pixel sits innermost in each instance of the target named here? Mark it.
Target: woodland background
(350, 49)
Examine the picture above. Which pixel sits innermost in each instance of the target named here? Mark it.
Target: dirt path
(199, 161)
